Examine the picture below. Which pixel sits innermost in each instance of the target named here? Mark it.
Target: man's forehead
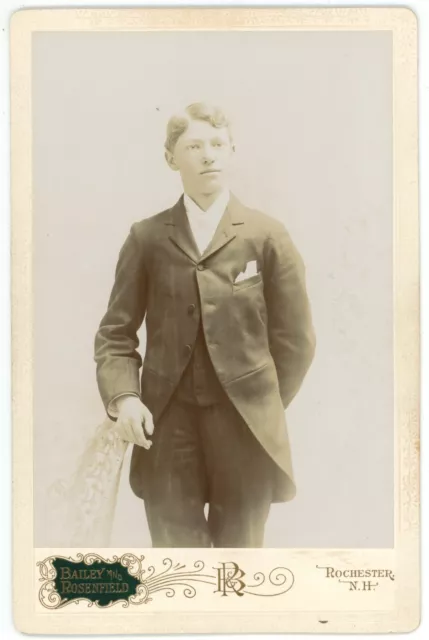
(203, 128)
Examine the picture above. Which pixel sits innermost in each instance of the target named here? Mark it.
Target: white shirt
(204, 223)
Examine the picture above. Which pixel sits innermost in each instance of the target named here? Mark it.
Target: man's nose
(208, 153)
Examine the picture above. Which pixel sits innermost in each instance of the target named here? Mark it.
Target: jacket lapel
(180, 231)
(227, 227)
(181, 234)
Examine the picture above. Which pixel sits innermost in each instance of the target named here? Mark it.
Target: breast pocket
(253, 281)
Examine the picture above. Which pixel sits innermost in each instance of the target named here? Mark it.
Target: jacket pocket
(247, 374)
(253, 281)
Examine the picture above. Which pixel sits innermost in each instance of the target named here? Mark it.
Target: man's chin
(209, 184)
(212, 180)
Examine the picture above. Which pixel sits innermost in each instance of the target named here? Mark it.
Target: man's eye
(193, 146)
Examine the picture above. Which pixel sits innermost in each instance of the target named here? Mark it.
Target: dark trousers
(199, 455)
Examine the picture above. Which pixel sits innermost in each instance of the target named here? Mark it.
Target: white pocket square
(251, 270)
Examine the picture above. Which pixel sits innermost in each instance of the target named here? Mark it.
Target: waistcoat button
(201, 267)
(191, 309)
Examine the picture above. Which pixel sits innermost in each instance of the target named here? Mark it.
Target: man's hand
(134, 421)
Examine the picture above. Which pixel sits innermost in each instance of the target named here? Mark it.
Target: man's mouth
(210, 171)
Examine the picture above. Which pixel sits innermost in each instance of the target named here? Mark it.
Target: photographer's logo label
(102, 582)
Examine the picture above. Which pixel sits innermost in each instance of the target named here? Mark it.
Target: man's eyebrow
(215, 137)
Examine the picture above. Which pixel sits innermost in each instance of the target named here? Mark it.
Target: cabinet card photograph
(215, 320)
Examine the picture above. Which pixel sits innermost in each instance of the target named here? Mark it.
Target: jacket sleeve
(116, 341)
(290, 330)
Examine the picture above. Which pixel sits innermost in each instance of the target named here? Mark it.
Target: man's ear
(171, 160)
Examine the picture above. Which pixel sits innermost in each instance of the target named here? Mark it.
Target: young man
(229, 341)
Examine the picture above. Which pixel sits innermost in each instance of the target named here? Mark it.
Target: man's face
(202, 155)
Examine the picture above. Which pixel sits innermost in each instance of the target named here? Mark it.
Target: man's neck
(204, 200)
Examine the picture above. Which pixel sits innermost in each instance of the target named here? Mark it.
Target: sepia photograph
(213, 246)
(252, 224)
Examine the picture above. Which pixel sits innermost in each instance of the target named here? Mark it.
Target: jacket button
(191, 309)
(201, 267)
(188, 348)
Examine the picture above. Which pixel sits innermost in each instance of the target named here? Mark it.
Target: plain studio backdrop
(311, 115)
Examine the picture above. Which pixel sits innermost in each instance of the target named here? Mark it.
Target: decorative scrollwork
(49, 596)
(133, 564)
(142, 595)
(173, 578)
(278, 577)
(47, 570)
(260, 579)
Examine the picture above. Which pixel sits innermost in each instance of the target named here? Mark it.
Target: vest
(199, 384)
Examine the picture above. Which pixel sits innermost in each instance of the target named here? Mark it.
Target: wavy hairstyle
(178, 123)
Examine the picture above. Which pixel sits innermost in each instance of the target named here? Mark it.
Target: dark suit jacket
(258, 331)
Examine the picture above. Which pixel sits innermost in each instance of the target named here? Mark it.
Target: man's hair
(178, 124)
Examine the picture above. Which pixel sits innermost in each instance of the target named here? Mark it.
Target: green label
(101, 582)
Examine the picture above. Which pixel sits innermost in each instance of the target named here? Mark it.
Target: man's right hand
(134, 421)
